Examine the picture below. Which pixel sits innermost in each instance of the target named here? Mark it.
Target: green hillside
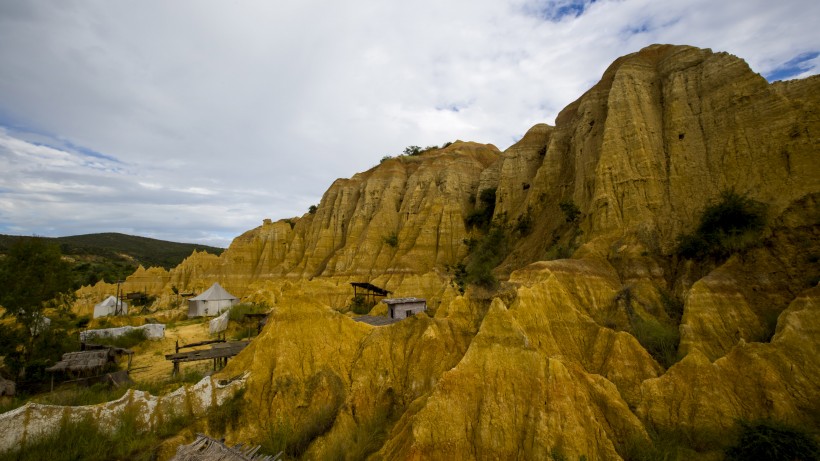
(112, 256)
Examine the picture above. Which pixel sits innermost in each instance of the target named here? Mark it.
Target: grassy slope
(113, 256)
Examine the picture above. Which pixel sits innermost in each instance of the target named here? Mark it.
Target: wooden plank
(224, 350)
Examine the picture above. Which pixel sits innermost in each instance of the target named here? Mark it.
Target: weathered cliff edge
(31, 421)
(547, 365)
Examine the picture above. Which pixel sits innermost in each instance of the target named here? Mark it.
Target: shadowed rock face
(553, 363)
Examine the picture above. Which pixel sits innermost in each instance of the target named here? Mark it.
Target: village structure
(90, 365)
(397, 308)
(401, 308)
(110, 306)
(211, 302)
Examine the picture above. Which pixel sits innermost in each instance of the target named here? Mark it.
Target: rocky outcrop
(658, 138)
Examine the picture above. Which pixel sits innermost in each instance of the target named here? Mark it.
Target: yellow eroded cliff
(601, 339)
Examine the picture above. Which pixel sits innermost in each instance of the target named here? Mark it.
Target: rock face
(600, 355)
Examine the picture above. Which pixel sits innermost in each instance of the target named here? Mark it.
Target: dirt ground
(149, 363)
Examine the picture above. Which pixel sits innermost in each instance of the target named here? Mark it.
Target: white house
(400, 308)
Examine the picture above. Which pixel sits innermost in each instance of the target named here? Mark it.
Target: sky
(194, 120)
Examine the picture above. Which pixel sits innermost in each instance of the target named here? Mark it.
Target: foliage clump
(126, 341)
(228, 415)
(239, 311)
(485, 254)
(392, 240)
(524, 223)
(482, 216)
(570, 210)
(729, 226)
(660, 338)
(34, 277)
(772, 441)
(84, 439)
(360, 305)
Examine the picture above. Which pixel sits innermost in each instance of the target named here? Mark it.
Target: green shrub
(171, 383)
(360, 305)
(294, 440)
(672, 306)
(558, 251)
(238, 311)
(82, 321)
(126, 341)
(524, 223)
(77, 396)
(228, 415)
(772, 441)
(659, 339)
(459, 276)
(392, 240)
(488, 253)
(729, 226)
(312, 209)
(84, 440)
(482, 216)
(570, 210)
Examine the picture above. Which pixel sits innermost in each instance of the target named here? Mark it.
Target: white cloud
(250, 109)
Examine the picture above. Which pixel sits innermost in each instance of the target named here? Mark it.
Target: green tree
(32, 275)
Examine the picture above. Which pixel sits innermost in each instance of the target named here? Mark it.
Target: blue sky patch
(793, 67)
(39, 138)
(90, 153)
(557, 10)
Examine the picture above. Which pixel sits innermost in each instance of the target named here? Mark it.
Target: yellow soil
(149, 363)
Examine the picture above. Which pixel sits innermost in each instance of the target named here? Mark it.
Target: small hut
(401, 308)
(212, 301)
(89, 365)
(110, 306)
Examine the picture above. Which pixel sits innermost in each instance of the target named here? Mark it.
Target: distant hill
(112, 256)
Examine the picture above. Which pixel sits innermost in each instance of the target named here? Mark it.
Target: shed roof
(371, 287)
(403, 300)
(215, 293)
(87, 360)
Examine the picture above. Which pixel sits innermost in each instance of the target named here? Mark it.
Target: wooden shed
(368, 292)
